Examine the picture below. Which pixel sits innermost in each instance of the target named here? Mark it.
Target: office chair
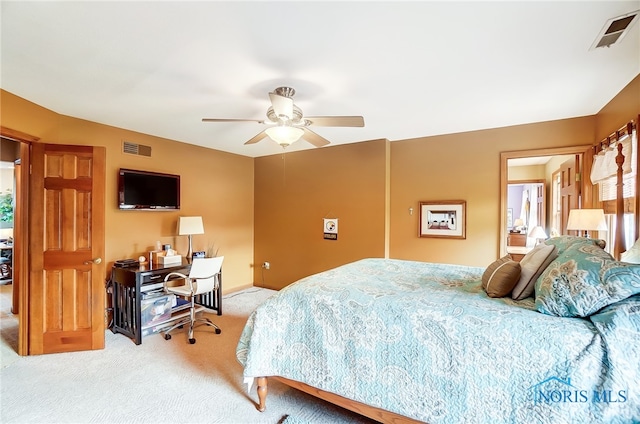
(202, 278)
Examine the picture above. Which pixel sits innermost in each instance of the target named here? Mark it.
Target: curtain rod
(622, 132)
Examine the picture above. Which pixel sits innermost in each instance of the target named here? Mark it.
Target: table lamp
(587, 220)
(538, 233)
(188, 226)
(517, 225)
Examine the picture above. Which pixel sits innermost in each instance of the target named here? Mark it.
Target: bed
(407, 341)
(425, 342)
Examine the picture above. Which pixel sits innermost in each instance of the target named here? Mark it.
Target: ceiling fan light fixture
(289, 124)
(284, 135)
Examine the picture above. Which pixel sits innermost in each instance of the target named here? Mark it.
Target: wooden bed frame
(618, 206)
(384, 416)
(368, 411)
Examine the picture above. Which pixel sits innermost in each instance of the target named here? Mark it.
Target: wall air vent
(136, 149)
(614, 30)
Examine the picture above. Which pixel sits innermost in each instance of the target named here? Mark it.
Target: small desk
(130, 283)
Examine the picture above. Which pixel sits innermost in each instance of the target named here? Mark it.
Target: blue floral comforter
(424, 340)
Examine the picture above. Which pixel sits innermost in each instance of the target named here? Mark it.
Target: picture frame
(443, 219)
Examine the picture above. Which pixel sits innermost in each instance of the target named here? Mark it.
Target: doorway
(57, 263)
(9, 160)
(11, 237)
(507, 159)
(7, 190)
(526, 203)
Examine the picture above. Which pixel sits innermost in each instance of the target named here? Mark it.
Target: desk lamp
(587, 220)
(188, 226)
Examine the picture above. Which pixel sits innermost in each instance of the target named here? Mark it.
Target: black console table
(129, 285)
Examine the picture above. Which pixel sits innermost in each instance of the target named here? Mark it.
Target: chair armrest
(207, 277)
(166, 277)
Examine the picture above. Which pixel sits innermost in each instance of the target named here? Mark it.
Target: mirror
(531, 174)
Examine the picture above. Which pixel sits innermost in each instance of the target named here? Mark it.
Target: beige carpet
(158, 381)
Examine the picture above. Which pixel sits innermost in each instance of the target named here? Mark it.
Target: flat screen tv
(145, 190)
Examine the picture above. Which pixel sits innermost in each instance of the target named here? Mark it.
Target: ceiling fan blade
(259, 121)
(314, 138)
(282, 106)
(335, 121)
(257, 138)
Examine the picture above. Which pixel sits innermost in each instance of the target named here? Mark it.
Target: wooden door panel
(569, 190)
(67, 287)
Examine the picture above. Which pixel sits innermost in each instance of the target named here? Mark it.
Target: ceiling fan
(288, 124)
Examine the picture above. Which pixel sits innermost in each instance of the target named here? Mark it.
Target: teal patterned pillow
(583, 280)
(564, 242)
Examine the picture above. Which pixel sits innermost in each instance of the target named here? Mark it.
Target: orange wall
(619, 111)
(216, 185)
(295, 191)
(448, 167)
(463, 166)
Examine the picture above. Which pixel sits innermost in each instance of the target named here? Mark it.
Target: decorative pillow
(583, 280)
(564, 242)
(533, 264)
(500, 277)
(632, 255)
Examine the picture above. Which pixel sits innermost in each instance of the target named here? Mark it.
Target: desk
(130, 283)
(6, 262)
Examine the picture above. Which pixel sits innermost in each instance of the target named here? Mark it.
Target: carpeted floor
(159, 381)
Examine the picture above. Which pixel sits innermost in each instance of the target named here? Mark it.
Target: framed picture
(509, 218)
(443, 219)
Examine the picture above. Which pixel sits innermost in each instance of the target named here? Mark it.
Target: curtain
(604, 163)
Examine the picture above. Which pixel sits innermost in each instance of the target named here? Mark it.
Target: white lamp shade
(190, 225)
(284, 135)
(587, 220)
(537, 232)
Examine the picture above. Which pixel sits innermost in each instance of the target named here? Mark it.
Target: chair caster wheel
(192, 341)
(218, 331)
(167, 336)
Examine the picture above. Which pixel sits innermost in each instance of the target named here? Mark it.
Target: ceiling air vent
(136, 149)
(614, 30)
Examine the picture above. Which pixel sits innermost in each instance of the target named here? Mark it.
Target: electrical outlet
(266, 265)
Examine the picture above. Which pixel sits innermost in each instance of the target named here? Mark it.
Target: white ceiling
(412, 69)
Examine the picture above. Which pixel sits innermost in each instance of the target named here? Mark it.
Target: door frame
(21, 226)
(586, 150)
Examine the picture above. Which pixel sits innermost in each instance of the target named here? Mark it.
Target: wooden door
(541, 204)
(66, 246)
(569, 190)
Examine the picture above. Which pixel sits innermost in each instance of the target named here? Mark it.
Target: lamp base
(190, 251)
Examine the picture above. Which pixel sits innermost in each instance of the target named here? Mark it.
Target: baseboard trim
(237, 289)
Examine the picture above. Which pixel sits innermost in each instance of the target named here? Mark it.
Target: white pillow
(632, 255)
(532, 266)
